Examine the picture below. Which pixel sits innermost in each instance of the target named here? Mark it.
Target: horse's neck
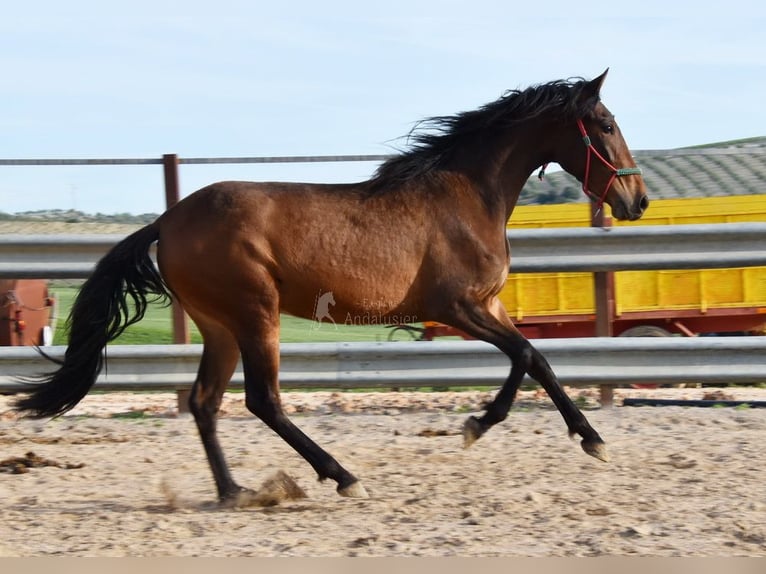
(501, 171)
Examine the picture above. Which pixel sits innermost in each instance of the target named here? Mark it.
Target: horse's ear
(598, 82)
(591, 92)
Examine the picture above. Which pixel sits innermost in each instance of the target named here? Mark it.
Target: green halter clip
(628, 171)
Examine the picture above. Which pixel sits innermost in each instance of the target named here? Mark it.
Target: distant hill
(74, 216)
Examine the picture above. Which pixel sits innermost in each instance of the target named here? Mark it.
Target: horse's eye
(608, 128)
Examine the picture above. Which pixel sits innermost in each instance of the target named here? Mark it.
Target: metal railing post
(603, 282)
(180, 320)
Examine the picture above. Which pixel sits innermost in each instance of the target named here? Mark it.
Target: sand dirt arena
(131, 480)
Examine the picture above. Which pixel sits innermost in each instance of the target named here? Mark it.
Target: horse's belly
(345, 305)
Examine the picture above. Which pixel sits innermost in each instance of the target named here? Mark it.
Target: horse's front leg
(592, 443)
(490, 323)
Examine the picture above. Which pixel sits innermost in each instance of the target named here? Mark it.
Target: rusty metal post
(180, 320)
(604, 299)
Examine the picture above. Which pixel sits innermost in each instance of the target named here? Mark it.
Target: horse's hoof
(472, 431)
(354, 490)
(597, 449)
(238, 498)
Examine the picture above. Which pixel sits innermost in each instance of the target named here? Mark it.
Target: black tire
(405, 333)
(646, 331)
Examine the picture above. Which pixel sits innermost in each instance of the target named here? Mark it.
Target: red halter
(616, 172)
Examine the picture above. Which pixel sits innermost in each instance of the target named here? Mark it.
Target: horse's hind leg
(219, 359)
(490, 323)
(260, 361)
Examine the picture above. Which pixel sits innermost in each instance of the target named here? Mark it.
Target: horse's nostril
(643, 203)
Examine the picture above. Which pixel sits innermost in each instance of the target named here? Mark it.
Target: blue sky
(237, 78)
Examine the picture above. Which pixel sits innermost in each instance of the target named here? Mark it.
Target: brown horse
(423, 239)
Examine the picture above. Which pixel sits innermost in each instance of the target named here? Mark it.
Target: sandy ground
(132, 480)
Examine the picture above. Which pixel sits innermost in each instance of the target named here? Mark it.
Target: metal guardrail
(650, 247)
(533, 250)
(439, 364)
(594, 361)
(62, 256)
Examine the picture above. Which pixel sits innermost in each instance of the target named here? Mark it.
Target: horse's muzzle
(631, 211)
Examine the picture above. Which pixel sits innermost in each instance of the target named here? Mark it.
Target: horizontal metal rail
(706, 246)
(756, 150)
(195, 160)
(650, 247)
(64, 256)
(439, 364)
(652, 402)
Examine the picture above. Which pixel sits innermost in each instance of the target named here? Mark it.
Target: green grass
(156, 326)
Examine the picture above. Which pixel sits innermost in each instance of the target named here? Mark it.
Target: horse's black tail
(101, 312)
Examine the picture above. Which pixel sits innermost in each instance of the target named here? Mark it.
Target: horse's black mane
(432, 140)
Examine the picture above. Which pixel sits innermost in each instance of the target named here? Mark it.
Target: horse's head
(598, 156)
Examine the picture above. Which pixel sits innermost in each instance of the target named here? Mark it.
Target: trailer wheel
(645, 331)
